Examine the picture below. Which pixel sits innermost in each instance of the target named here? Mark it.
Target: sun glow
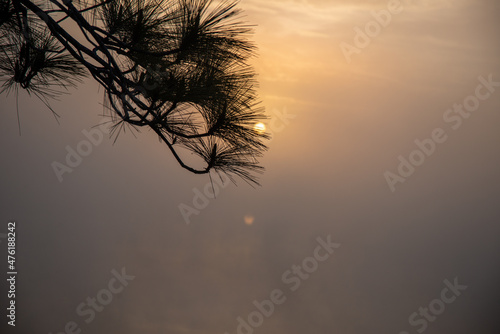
(260, 127)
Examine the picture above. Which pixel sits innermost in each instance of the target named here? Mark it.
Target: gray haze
(348, 124)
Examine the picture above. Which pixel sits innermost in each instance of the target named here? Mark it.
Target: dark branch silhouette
(177, 67)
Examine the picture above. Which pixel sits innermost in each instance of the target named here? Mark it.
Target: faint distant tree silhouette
(177, 67)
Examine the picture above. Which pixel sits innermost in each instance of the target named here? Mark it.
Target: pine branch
(178, 68)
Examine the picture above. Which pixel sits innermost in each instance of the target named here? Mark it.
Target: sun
(260, 127)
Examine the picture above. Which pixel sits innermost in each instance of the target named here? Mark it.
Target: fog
(340, 123)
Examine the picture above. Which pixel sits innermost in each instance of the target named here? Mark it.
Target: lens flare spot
(249, 219)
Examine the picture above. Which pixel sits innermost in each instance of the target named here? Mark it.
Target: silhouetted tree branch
(177, 67)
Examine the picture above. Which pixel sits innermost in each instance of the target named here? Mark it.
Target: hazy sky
(344, 132)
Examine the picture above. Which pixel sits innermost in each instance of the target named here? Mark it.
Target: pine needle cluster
(177, 67)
